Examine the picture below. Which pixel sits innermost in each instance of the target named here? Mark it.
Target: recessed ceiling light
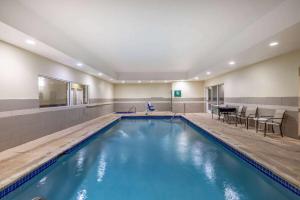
(30, 41)
(208, 73)
(231, 63)
(79, 64)
(100, 74)
(139, 81)
(273, 44)
(196, 78)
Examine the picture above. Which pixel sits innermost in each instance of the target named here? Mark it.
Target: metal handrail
(131, 109)
(173, 116)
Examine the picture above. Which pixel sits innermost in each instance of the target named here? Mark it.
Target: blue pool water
(151, 159)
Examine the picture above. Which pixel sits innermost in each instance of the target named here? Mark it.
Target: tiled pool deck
(280, 155)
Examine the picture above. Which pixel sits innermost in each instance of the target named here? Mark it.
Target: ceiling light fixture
(30, 41)
(79, 64)
(123, 82)
(208, 73)
(273, 44)
(100, 74)
(231, 63)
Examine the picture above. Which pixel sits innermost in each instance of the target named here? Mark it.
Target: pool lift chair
(150, 107)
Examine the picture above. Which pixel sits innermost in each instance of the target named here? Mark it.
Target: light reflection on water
(101, 169)
(182, 146)
(230, 193)
(209, 171)
(82, 195)
(80, 160)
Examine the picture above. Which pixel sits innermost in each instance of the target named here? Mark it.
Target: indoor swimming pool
(147, 158)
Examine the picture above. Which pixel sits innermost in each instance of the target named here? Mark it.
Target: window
(52, 92)
(78, 94)
(214, 96)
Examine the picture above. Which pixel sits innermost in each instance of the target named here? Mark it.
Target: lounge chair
(276, 120)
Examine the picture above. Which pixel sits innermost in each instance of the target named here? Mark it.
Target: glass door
(214, 96)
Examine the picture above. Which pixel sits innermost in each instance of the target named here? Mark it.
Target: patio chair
(276, 120)
(236, 117)
(250, 113)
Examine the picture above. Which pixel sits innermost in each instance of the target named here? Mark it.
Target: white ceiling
(157, 39)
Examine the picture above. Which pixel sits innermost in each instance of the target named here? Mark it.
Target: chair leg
(265, 130)
(247, 123)
(256, 126)
(281, 133)
(273, 129)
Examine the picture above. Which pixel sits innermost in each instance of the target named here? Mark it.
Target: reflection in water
(101, 169)
(202, 164)
(42, 181)
(230, 194)
(197, 155)
(209, 171)
(82, 195)
(80, 161)
(123, 133)
(166, 142)
(182, 146)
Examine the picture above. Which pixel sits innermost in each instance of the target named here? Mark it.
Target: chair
(276, 120)
(241, 116)
(250, 113)
(237, 115)
(150, 107)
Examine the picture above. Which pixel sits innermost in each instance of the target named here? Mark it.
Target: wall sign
(177, 93)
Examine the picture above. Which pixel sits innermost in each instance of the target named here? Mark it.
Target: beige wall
(193, 89)
(142, 90)
(20, 70)
(136, 95)
(19, 91)
(277, 77)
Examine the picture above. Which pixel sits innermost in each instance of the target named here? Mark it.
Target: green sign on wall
(177, 93)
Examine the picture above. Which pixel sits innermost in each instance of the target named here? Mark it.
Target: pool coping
(5, 190)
